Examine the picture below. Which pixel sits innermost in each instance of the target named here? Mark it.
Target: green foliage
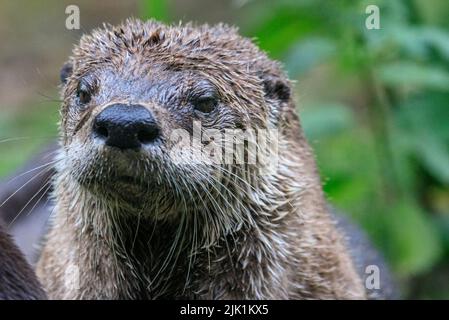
(410, 74)
(308, 53)
(22, 134)
(413, 243)
(155, 9)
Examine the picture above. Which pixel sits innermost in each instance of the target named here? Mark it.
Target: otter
(17, 278)
(132, 221)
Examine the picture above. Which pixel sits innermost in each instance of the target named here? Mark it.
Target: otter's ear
(276, 88)
(65, 72)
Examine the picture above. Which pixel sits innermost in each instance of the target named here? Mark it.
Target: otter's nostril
(101, 131)
(147, 135)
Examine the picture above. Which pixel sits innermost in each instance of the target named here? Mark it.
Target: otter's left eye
(205, 104)
(83, 93)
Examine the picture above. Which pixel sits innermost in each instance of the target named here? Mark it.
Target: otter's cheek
(79, 158)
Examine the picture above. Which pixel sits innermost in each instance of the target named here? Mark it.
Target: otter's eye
(205, 104)
(83, 93)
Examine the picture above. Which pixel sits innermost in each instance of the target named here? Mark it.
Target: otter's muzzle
(126, 126)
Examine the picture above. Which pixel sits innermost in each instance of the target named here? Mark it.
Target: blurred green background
(374, 103)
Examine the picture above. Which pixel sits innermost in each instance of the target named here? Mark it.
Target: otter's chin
(131, 194)
(119, 185)
(128, 185)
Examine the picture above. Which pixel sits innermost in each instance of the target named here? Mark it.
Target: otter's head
(128, 90)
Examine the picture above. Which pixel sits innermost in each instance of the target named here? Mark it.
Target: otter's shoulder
(17, 278)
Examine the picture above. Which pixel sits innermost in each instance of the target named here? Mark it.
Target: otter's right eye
(83, 93)
(205, 104)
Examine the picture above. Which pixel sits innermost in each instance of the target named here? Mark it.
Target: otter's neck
(101, 251)
(96, 251)
(284, 253)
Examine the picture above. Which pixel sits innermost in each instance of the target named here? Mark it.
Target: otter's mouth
(127, 180)
(116, 172)
(133, 183)
(129, 187)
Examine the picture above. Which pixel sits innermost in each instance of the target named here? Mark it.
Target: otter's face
(129, 91)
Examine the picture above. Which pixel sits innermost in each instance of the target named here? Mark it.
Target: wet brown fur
(17, 279)
(264, 237)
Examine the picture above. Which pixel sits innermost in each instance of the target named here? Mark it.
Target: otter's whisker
(25, 138)
(31, 170)
(23, 186)
(46, 184)
(49, 98)
(40, 198)
(137, 229)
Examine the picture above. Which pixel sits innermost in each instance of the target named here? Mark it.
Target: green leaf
(308, 53)
(435, 157)
(411, 239)
(437, 38)
(156, 9)
(325, 120)
(23, 134)
(421, 130)
(410, 74)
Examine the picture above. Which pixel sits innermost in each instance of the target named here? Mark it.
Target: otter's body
(131, 222)
(297, 257)
(17, 278)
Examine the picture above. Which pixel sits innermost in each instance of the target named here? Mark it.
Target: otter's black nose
(126, 126)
